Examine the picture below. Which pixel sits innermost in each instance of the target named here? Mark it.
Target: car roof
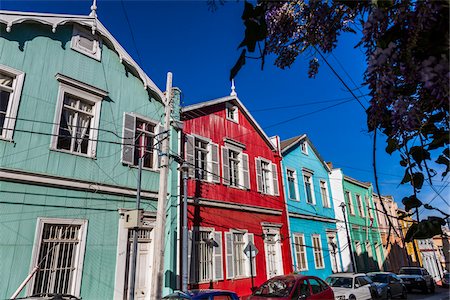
(209, 292)
(295, 276)
(384, 273)
(347, 275)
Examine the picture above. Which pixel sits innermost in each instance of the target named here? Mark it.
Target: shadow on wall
(446, 250)
(396, 258)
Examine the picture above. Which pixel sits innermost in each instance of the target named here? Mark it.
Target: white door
(333, 252)
(272, 247)
(143, 263)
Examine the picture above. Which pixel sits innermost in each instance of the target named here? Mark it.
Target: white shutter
(276, 189)
(258, 174)
(214, 162)
(251, 238)
(245, 171)
(218, 261)
(229, 254)
(225, 167)
(128, 136)
(189, 154)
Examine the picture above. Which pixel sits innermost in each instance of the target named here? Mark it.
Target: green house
(76, 113)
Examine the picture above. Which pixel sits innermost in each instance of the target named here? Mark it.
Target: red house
(235, 197)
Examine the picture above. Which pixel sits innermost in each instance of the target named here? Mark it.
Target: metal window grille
(144, 143)
(300, 252)
(201, 153)
(59, 248)
(318, 255)
(239, 259)
(204, 252)
(265, 168)
(234, 168)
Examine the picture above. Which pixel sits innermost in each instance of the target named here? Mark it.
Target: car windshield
(276, 287)
(410, 272)
(381, 278)
(344, 282)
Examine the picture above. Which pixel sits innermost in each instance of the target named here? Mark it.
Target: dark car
(293, 287)
(446, 280)
(417, 278)
(203, 295)
(389, 285)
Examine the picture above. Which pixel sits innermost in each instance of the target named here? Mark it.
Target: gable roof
(294, 141)
(357, 182)
(9, 18)
(232, 99)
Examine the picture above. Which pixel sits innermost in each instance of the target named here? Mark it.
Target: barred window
(239, 258)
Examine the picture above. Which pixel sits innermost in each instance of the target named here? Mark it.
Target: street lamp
(184, 168)
(342, 205)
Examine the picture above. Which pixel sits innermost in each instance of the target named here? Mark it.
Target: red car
(293, 287)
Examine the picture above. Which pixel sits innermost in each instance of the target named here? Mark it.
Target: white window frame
(155, 140)
(246, 260)
(304, 147)
(210, 232)
(360, 204)
(267, 177)
(350, 203)
(207, 176)
(237, 183)
(89, 94)
(294, 173)
(78, 32)
(318, 251)
(369, 208)
(326, 198)
(79, 256)
(235, 109)
(311, 182)
(14, 100)
(302, 250)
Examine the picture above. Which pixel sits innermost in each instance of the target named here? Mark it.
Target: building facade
(236, 198)
(313, 233)
(76, 114)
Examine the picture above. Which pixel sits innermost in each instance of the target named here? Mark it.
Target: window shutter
(229, 254)
(258, 174)
(251, 238)
(128, 136)
(276, 189)
(189, 154)
(218, 261)
(245, 172)
(225, 167)
(214, 161)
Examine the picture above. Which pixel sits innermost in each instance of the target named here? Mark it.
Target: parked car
(446, 279)
(352, 286)
(389, 285)
(203, 295)
(417, 278)
(50, 296)
(293, 286)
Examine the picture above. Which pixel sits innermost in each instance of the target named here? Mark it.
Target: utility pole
(184, 251)
(135, 234)
(159, 240)
(342, 205)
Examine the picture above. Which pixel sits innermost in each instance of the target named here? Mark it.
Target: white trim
(327, 194)
(311, 182)
(79, 256)
(311, 217)
(236, 206)
(78, 32)
(297, 194)
(87, 93)
(69, 183)
(236, 112)
(13, 103)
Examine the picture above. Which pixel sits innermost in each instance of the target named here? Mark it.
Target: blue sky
(199, 47)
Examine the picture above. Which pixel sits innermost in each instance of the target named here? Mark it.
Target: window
(205, 257)
(348, 197)
(316, 286)
(370, 255)
(11, 82)
(309, 190)
(205, 254)
(369, 209)
(266, 177)
(77, 117)
(139, 140)
(237, 263)
(324, 193)
(300, 252)
(201, 153)
(318, 253)
(360, 205)
(232, 113)
(304, 147)
(86, 43)
(234, 167)
(292, 184)
(59, 253)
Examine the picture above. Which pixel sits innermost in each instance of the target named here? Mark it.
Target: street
(440, 294)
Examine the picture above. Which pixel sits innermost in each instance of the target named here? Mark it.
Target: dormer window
(232, 113)
(85, 42)
(304, 147)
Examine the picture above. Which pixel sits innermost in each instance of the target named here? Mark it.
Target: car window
(316, 287)
(361, 281)
(410, 271)
(303, 288)
(343, 282)
(276, 287)
(381, 278)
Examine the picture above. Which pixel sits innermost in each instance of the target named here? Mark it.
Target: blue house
(309, 203)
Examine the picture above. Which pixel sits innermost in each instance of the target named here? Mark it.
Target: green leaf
(392, 145)
(419, 154)
(417, 180)
(411, 202)
(238, 65)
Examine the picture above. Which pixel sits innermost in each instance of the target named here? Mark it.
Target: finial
(93, 9)
(233, 88)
